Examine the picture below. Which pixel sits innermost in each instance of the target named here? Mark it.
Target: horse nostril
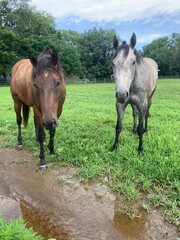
(122, 96)
(49, 124)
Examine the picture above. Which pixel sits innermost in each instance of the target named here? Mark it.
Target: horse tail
(25, 114)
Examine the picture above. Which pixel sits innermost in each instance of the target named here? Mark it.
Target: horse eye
(57, 83)
(34, 84)
(133, 62)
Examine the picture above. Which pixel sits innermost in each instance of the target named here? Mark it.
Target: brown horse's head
(48, 87)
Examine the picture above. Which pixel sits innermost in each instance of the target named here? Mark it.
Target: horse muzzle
(49, 124)
(122, 97)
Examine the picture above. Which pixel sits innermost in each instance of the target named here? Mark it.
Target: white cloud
(108, 10)
(149, 38)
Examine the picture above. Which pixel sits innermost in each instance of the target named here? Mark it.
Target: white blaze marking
(46, 74)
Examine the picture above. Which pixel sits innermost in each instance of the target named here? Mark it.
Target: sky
(149, 19)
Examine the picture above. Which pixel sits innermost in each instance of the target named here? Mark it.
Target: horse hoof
(20, 147)
(43, 167)
(141, 153)
(134, 131)
(113, 149)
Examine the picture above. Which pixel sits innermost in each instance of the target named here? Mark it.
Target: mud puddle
(41, 223)
(57, 205)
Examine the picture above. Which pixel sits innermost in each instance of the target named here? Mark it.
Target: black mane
(45, 62)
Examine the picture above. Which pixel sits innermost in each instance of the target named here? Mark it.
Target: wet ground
(57, 205)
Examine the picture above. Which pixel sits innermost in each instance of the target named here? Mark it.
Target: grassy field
(86, 133)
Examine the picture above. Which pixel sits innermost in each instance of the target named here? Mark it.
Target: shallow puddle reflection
(41, 223)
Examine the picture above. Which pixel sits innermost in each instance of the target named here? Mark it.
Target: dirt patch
(56, 204)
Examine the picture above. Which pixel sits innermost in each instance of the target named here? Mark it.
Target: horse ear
(55, 58)
(33, 59)
(133, 40)
(115, 42)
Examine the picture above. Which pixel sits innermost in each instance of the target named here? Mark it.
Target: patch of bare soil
(56, 204)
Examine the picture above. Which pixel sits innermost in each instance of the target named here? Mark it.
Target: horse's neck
(145, 76)
(139, 73)
(140, 77)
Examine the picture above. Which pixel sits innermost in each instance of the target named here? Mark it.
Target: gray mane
(124, 46)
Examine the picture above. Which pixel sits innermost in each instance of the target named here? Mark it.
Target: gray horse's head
(124, 62)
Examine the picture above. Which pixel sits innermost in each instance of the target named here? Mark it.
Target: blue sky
(148, 19)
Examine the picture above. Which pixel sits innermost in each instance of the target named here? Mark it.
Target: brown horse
(39, 83)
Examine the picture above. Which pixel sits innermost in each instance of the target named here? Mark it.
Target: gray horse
(136, 79)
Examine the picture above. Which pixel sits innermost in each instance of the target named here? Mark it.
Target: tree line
(24, 30)
(166, 52)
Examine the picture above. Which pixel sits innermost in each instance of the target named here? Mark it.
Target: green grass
(16, 229)
(86, 133)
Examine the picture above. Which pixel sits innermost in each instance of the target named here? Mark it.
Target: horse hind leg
(17, 108)
(141, 129)
(147, 115)
(135, 115)
(146, 121)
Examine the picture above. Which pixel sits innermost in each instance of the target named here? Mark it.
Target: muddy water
(41, 223)
(129, 227)
(57, 205)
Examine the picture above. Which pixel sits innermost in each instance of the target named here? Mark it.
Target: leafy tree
(175, 54)
(8, 42)
(69, 52)
(30, 32)
(96, 50)
(22, 30)
(166, 52)
(159, 51)
(64, 42)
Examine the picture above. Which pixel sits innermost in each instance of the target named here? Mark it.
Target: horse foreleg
(141, 129)
(41, 138)
(120, 114)
(51, 142)
(36, 128)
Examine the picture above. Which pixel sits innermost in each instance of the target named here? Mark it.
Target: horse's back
(152, 68)
(21, 82)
